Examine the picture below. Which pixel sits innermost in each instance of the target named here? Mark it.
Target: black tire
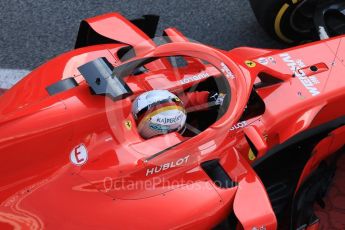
(275, 15)
(293, 21)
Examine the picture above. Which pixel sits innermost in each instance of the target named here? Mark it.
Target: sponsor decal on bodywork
(251, 155)
(259, 228)
(168, 165)
(79, 155)
(295, 66)
(266, 60)
(239, 125)
(263, 61)
(272, 60)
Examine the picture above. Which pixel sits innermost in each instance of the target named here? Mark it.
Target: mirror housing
(256, 141)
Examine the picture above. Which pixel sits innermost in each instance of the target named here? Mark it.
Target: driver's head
(158, 112)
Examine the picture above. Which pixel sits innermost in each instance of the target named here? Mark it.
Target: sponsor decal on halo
(226, 71)
(197, 77)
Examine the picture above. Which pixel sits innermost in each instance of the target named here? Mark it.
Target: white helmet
(158, 112)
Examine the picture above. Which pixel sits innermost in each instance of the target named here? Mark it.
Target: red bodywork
(41, 188)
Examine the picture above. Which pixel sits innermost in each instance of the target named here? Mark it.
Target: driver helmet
(158, 112)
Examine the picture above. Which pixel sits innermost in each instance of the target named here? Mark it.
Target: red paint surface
(41, 188)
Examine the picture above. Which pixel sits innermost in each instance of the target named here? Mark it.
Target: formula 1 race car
(72, 157)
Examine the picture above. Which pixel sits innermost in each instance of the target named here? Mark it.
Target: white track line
(9, 77)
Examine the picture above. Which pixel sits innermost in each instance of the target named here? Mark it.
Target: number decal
(79, 155)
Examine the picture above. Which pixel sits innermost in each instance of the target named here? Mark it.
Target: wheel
(294, 21)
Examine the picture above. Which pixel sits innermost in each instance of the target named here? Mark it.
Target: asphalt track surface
(34, 31)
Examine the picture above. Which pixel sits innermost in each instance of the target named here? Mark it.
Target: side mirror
(256, 140)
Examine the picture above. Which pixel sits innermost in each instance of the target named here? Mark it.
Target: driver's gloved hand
(216, 99)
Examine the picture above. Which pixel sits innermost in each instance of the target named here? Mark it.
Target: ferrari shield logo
(250, 64)
(128, 124)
